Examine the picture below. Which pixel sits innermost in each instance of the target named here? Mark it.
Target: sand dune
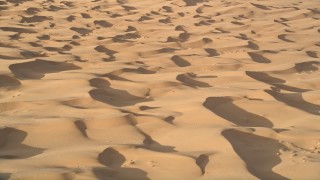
(159, 89)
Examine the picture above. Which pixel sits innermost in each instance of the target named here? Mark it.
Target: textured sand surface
(160, 89)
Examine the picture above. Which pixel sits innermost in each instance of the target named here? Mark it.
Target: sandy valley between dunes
(160, 89)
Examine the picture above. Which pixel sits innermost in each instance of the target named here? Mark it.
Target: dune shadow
(115, 75)
(17, 30)
(82, 31)
(34, 19)
(308, 66)
(212, 52)
(225, 108)
(260, 6)
(312, 54)
(102, 23)
(113, 160)
(253, 45)
(295, 100)
(107, 51)
(5, 176)
(82, 127)
(259, 153)
(202, 162)
(258, 57)
(276, 82)
(38, 68)
(181, 62)
(8, 81)
(151, 144)
(283, 37)
(148, 142)
(188, 80)
(192, 2)
(115, 97)
(12, 147)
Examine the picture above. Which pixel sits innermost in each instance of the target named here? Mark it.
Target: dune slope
(159, 89)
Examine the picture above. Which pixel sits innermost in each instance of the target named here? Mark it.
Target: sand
(159, 89)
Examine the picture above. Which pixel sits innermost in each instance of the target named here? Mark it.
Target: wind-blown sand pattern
(159, 89)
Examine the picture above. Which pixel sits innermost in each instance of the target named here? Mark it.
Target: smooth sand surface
(159, 89)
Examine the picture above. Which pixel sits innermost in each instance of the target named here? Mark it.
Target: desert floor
(160, 89)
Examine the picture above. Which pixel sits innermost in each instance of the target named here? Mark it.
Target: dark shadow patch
(8, 81)
(82, 127)
(103, 173)
(253, 45)
(17, 30)
(12, 147)
(148, 142)
(144, 18)
(264, 77)
(126, 37)
(44, 37)
(183, 37)
(237, 23)
(312, 54)
(283, 37)
(103, 23)
(167, 9)
(5, 176)
(178, 60)
(54, 8)
(131, 28)
(4, 57)
(70, 19)
(139, 70)
(17, 1)
(34, 19)
(85, 15)
(192, 2)
(179, 28)
(103, 49)
(99, 83)
(169, 119)
(145, 108)
(68, 3)
(308, 66)
(207, 40)
(258, 57)
(32, 10)
(32, 54)
(212, 52)
(114, 160)
(82, 31)
(115, 76)
(165, 20)
(38, 68)
(225, 108)
(260, 6)
(115, 97)
(258, 152)
(276, 82)
(295, 100)
(222, 30)
(128, 8)
(7, 45)
(188, 80)
(202, 162)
